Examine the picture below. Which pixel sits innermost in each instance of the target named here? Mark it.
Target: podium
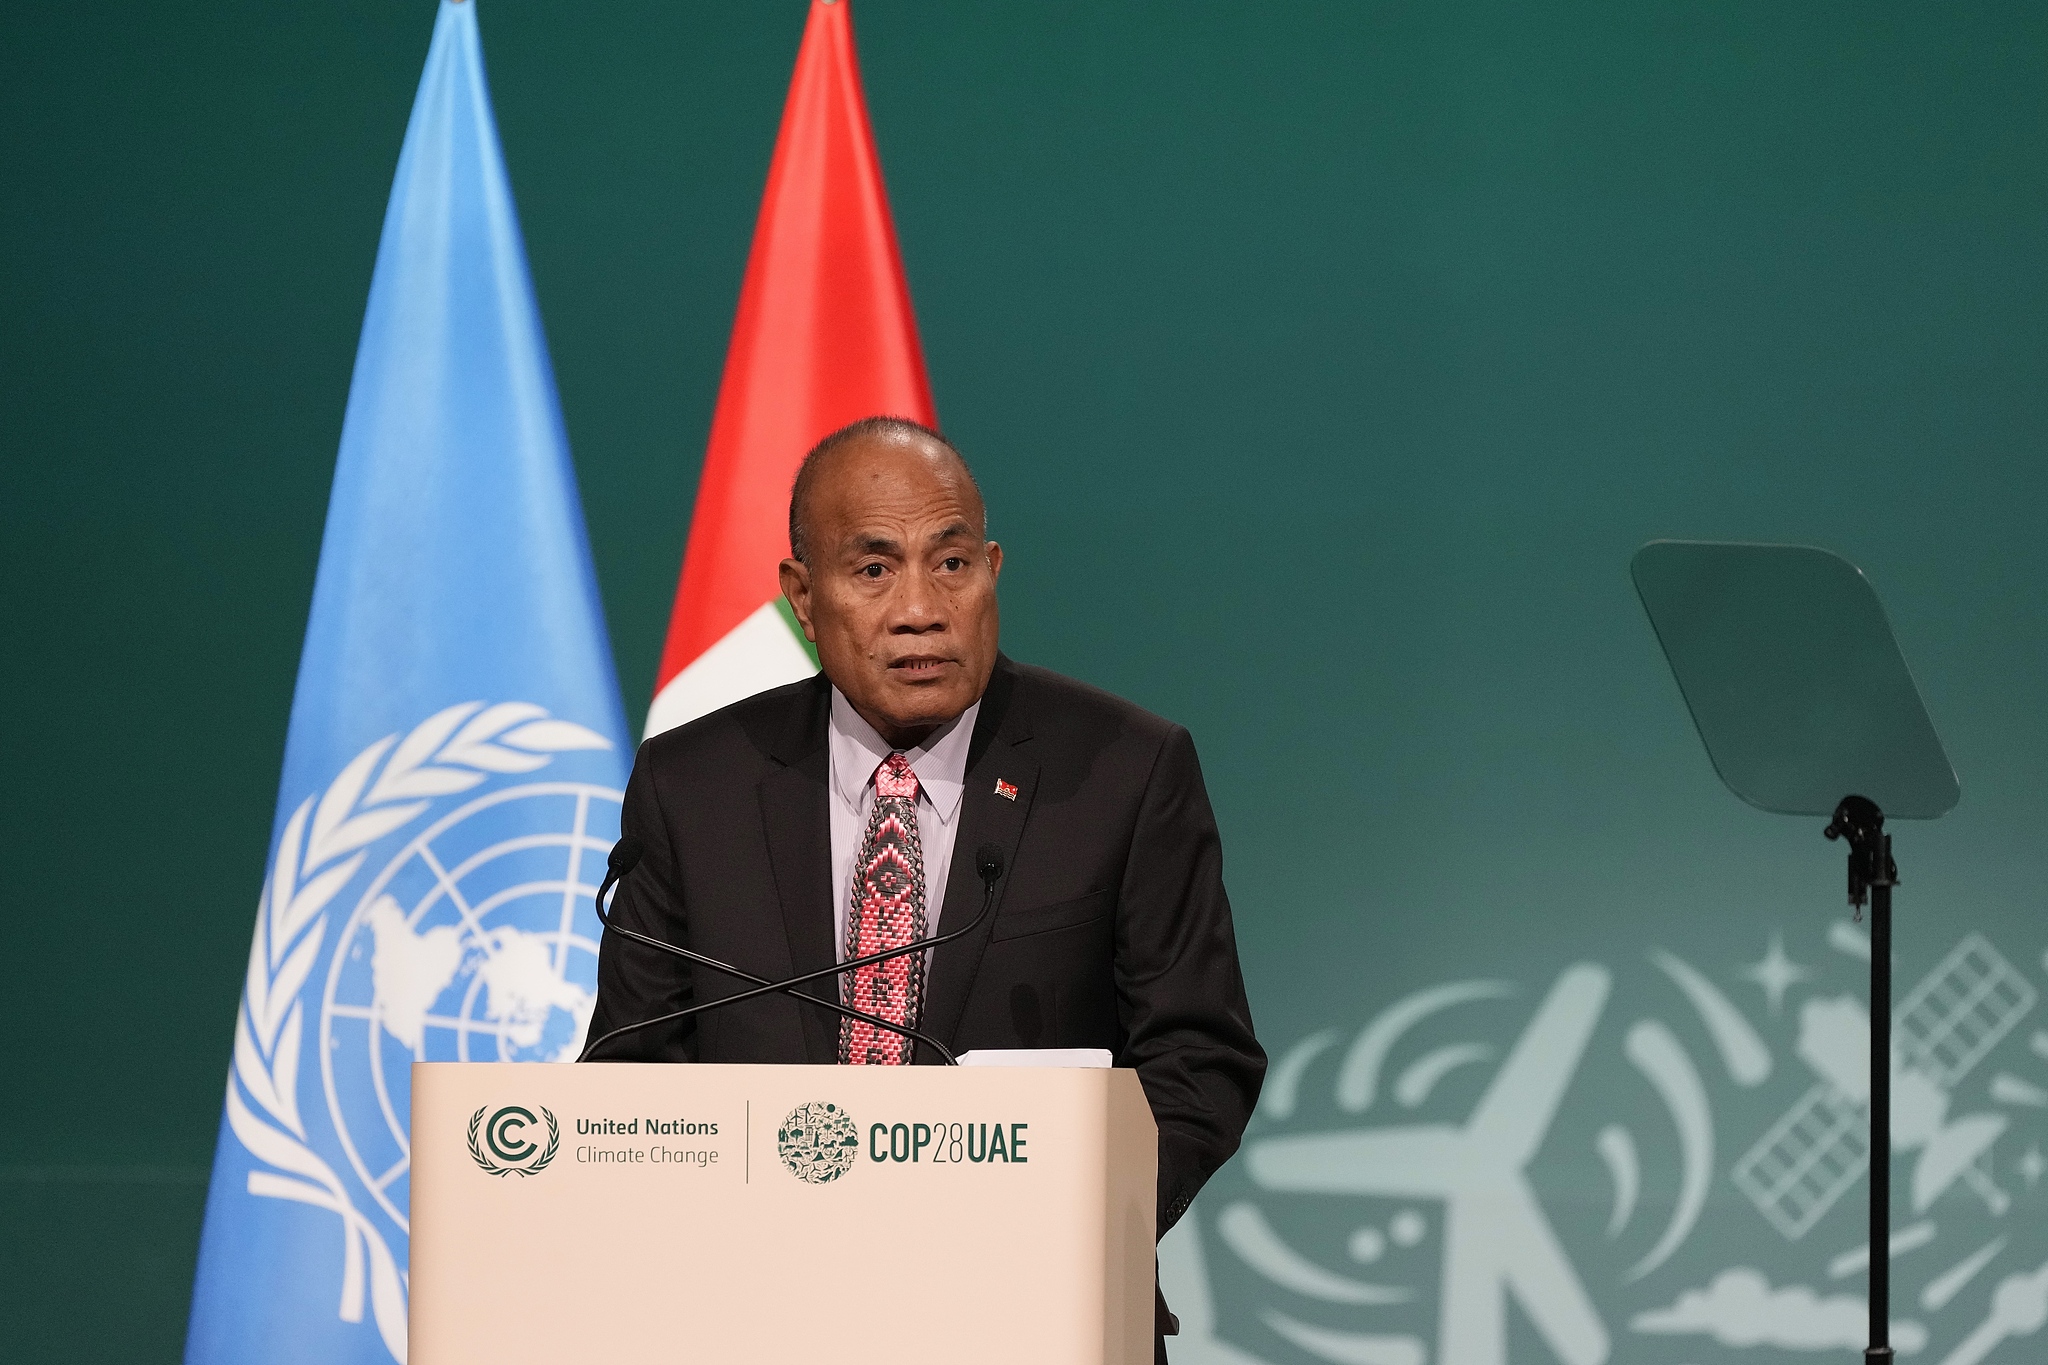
(649, 1213)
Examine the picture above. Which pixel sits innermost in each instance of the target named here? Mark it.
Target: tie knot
(894, 778)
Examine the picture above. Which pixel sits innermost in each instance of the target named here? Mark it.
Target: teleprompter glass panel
(1793, 677)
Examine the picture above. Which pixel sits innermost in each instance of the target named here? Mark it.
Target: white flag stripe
(759, 653)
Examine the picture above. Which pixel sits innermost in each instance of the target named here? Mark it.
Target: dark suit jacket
(1111, 928)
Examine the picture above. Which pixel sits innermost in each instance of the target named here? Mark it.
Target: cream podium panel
(641, 1213)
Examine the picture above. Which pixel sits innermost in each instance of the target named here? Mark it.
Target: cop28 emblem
(818, 1142)
(430, 904)
(509, 1137)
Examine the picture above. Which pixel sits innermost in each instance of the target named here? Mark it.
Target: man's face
(900, 592)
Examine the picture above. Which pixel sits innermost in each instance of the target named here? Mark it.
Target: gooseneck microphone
(591, 1048)
(625, 857)
(988, 864)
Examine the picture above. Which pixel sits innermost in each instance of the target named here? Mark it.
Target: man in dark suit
(841, 815)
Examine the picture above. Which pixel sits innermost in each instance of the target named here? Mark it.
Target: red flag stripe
(825, 336)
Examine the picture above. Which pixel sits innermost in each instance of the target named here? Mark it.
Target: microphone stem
(766, 987)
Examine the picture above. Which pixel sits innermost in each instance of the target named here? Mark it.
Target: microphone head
(988, 861)
(625, 855)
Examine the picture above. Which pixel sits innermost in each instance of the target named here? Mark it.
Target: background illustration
(1323, 366)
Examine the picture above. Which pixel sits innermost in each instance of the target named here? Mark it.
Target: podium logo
(818, 1142)
(512, 1138)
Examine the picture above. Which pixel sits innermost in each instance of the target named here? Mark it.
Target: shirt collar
(940, 762)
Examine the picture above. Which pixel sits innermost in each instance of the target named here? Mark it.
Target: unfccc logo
(511, 1136)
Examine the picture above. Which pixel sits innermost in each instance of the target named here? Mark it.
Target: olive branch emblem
(476, 1149)
(380, 791)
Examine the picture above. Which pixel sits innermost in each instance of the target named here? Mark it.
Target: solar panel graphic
(1817, 1151)
(1807, 1160)
(1967, 1004)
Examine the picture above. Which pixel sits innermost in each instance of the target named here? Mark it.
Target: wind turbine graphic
(1496, 1239)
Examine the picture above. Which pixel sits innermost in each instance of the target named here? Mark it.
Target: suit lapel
(998, 751)
(798, 822)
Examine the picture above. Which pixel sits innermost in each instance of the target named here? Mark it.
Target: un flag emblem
(430, 904)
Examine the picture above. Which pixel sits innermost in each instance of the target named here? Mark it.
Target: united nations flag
(452, 774)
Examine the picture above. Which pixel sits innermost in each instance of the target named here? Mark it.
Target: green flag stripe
(789, 619)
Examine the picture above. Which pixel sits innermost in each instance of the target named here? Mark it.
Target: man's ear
(995, 558)
(796, 587)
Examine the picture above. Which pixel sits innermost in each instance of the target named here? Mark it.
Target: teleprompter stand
(1873, 874)
(1799, 692)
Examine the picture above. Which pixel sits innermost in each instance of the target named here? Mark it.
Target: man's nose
(916, 607)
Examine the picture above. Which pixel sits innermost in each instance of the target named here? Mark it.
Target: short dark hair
(799, 549)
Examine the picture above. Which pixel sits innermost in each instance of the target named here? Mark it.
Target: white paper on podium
(1038, 1056)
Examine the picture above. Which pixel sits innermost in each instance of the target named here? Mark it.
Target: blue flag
(452, 775)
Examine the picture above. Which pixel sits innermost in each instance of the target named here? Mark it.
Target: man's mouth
(914, 666)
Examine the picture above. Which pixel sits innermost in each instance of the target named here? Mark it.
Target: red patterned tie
(887, 912)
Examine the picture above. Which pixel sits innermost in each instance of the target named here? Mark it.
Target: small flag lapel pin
(1006, 790)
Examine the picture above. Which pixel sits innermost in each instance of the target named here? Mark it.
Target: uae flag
(824, 337)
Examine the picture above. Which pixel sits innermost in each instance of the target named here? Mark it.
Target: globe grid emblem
(506, 866)
(818, 1142)
(464, 947)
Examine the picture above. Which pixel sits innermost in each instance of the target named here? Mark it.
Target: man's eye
(871, 570)
(955, 563)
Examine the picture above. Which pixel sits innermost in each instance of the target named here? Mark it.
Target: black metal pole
(1880, 1351)
(1872, 874)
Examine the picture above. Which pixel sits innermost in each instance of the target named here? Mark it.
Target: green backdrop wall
(1323, 364)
